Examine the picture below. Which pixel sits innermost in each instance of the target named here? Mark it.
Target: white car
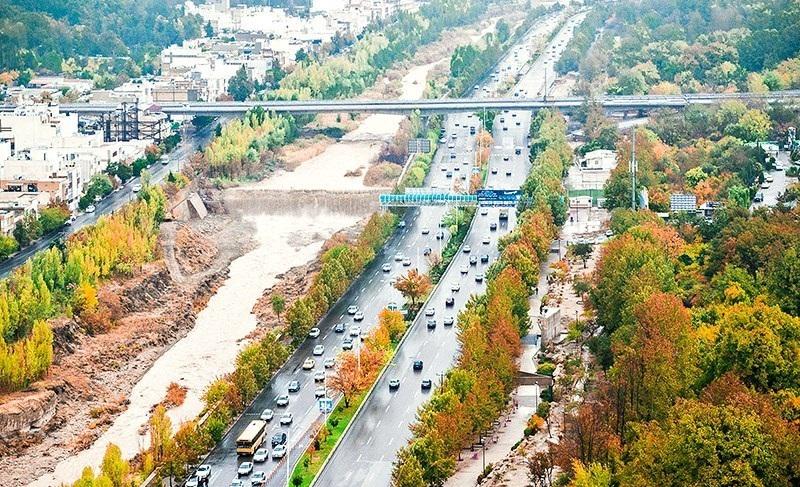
(352, 309)
(426, 230)
(387, 267)
(192, 482)
(487, 240)
(246, 468)
(90, 209)
(455, 287)
(313, 333)
(279, 452)
(430, 311)
(282, 400)
(136, 187)
(355, 331)
(309, 364)
(318, 350)
(287, 418)
(358, 316)
(319, 392)
(319, 376)
(406, 262)
(261, 455)
(329, 363)
(267, 415)
(398, 257)
(203, 472)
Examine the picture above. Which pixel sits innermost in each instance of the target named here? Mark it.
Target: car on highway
(193, 481)
(258, 479)
(398, 257)
(267, 415)
(430, 311)
(426, 230)
(764, 185)
(90, 209)
(318, 350)
(319, 376)
(392, 306)
(279, 452)
(136, 187)
(237, 483)
(278, 438)
(406, 262)
(355, 331)
(479, 277)
(282, 400)
(473, 260)
(245, 468)
(352, 309)
(203, 472)
(394, 384)
(493, 226)
(609, 233)
(439, 235)
(313, 333)
(260, 455)
(484, 211)
(448, 321)
(294, 386)
(308, 364)
(417, 365)
(338, 328)
(286, 419)
(455, 286)
(465, 269)
(329, 363)
(494, 170)
(486, 240)
(505, 158)
(426, 384)
(347, 344)
(449, 174)
(449, 301)
(431, 324)
(484, 258)
(401, 224)
(358, 316)
(467, 249)
(387, 267)
(319, 392)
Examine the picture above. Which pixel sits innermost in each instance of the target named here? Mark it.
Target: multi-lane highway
(366, 453)
(192, 139)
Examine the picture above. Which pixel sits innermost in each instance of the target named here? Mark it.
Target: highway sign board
(498, 197)
(419, 145)
(325, 405)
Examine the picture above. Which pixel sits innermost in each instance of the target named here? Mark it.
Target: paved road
(192, 139)
(366, 454)
(780, 181)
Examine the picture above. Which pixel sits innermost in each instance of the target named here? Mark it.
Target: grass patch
(308, 465)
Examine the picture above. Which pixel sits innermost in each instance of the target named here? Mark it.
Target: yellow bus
(251, 438)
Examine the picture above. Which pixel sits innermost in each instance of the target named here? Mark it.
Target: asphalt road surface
(366, 454)
(192, 139)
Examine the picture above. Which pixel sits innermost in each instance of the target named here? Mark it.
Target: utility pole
(633, 168)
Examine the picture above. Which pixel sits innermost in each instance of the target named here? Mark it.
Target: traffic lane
(383, 424)
(371, 297)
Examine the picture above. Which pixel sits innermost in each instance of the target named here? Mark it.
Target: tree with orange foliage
(393, 322)
(347, 378)
(413, 286)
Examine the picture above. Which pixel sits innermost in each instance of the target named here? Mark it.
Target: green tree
(208, 29)
(8, 245)
(782, 278)
(278, 304)
(240, 86)
(407, 471)
(739, 196)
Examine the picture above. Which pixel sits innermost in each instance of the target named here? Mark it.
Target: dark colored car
(493, 226)
(431, 324)
(426, 384)
(278, 439)
(484, 258)
(339, 328)
(294, 386)
(449, 301)
(418, 365)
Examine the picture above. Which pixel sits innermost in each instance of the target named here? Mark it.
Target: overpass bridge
(426, 106)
